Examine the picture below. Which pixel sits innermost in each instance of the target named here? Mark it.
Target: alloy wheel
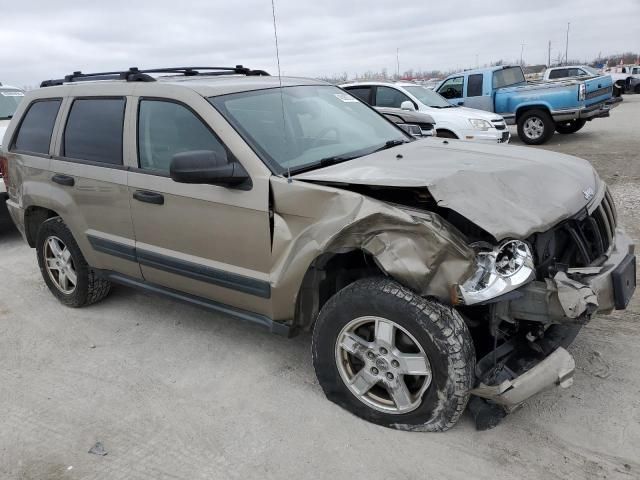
(382, 364)
(59, 265)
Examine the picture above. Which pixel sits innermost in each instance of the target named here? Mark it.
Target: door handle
(64, 180)
(149, 197)
(460, 103)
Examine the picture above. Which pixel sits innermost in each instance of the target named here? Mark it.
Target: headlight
(500, 270)
(479, 124)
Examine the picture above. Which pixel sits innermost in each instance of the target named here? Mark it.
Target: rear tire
(637, 89)
(64, 269)
(418, 327)
(535, 127)
(571, 126)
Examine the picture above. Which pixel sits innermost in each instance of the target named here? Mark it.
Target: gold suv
(431, 271)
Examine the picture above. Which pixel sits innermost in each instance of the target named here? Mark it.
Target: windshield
(507, 77)
(311, 126)
(428, 97)
(9, 101)
(591, 70)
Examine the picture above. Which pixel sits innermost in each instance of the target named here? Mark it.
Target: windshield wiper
(324, 162)
(8, 117)
(391, 144)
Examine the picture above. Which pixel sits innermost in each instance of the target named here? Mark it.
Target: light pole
(521, 51)
(566, 46)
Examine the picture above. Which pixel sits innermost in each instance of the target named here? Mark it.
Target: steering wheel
(322, 134)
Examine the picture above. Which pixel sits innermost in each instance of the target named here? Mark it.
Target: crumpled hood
(509, 191)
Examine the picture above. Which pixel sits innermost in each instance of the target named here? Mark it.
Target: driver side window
(166, 128)
(390, 97)
(452, 88)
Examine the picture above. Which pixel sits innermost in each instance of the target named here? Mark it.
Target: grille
(594, 234)
(599, 92)
(500, 127)
(582, 241)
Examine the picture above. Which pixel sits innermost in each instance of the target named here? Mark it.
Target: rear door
(477, 92)
(206, 240)
(89, 182)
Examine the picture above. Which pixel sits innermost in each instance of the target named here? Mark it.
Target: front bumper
(555, 370)
(572, 297)
(490, 136)
(563, 304)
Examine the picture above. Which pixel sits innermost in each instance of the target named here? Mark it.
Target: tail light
(582, 92)
(4, 169)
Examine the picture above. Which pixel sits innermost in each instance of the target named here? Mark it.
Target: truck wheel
(392, 357)
(571, 126)
(535, 127)
(64, 269)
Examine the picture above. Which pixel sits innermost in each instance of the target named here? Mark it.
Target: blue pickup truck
(538, 108)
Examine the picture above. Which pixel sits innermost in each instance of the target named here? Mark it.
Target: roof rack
(136, 75)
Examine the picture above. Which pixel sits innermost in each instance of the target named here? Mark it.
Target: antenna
(284, 121)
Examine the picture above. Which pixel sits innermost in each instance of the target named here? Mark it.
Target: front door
(206, 240)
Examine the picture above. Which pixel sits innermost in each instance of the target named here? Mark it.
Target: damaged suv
(429, 270)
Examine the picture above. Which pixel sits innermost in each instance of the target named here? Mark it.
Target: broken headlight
(500, 270)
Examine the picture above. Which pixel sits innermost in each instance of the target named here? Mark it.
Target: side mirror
(208, 167)
(407, 105)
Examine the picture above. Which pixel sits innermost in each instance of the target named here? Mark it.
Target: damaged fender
(425, 254)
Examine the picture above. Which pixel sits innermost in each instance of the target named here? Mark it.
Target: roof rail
(136, 75)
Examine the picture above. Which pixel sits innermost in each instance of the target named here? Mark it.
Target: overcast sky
(42, 39)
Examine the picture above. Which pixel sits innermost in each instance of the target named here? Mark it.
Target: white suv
(10, 98)
(451, 121)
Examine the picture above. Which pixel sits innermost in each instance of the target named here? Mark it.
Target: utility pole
(549, 55)
(521, 51)
(566, 46)
(398, 63)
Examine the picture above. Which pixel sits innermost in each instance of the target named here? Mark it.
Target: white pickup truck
(626, 78)
(568, 71)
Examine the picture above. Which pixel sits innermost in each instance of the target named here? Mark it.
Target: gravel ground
(172, 392)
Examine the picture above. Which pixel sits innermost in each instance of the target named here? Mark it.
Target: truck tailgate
(598, 89)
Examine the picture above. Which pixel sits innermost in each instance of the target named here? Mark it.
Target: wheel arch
(329, 273)
(534, 106)
(34, 216)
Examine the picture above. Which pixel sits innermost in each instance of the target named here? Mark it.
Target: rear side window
(508, 76)
(559, 73)
(94, 130)
(167, 128)
(361, 93)
(474, 85)
(34, 134)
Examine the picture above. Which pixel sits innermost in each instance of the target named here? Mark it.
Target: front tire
(446, 134)
(392, 357)
(535, 127)
(64, 268)
(570, 126)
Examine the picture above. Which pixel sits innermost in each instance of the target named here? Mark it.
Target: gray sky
(41, 39)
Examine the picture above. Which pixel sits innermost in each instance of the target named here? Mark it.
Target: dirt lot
(173, 392)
